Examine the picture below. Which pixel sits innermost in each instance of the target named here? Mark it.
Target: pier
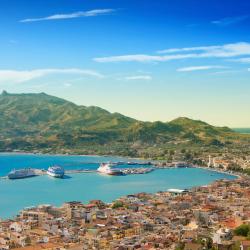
(124, 171)
(79, 171)
(119, 163)
(127, 171)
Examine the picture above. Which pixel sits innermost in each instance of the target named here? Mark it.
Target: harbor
(83, 182)
(114, 168)
(124, 171)
(109, 168)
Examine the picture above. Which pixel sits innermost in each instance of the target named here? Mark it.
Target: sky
(150, 60)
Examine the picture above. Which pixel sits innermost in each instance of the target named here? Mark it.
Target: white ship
(56, 171)
(21, 173)
(107, 168)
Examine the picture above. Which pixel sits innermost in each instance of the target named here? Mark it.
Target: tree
(188, 156)
(165, 151)
(171, 152)
(117, 204)
(242, 230)
(247, 171)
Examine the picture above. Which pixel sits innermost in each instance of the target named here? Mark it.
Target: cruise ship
(21, 173)
(56, 171)
(107, 168)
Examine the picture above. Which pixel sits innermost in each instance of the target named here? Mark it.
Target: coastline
(231, 173)
(169, 190)
(26, 184)
(238, 175)
(154, 162)
(61, 154)
(144, 211)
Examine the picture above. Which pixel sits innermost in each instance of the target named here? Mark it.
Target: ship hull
(110, 172)
(115, 173)
(55, 171)
(12, 177)
(55, 175)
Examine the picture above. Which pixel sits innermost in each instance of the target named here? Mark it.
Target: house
(189, 235)
(193, 246)
(245, 245)
(221, 235)
(16, 227)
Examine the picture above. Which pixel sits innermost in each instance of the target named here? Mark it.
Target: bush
(117, 204)
(247, 171)
(242, 230)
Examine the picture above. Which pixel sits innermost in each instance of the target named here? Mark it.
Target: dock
(118, 163)
(124, 171)
(79, 171)
(127, 171)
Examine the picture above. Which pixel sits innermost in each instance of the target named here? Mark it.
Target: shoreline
(170, 190)
(60, 154)
(222, 171)
(236, 174)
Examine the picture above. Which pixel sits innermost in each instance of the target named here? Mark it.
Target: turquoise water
(17, 194)
(242, 130)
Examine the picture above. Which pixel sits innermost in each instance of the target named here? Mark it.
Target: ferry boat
(107, 168)
(56, 171)
(21, 173)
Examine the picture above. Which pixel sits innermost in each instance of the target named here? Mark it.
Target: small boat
(56, 171)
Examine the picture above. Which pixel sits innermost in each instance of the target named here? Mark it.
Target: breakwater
(124, 171)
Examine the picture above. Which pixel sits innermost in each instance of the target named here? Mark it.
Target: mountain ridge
(42, 122)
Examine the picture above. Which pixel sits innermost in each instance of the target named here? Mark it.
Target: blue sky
(151, 60)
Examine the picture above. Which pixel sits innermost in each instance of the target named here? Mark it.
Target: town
(124, 125)
(216, 216)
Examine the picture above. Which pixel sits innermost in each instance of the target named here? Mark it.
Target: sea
(16, 195)
(242, 130)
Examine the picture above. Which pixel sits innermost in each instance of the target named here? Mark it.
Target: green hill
(44, 123)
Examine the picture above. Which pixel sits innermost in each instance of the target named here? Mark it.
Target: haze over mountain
(44, 123)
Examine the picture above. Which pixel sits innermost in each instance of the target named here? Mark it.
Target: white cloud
(139, 77)
(188, 49)
(218, 51)
(227, 72)
(241, 60)
(15, 76)
(141, 58)
(79, 14)
(230, 20)
(226, 50)
(197, 68)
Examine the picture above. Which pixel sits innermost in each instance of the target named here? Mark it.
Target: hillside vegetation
(44, 123)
